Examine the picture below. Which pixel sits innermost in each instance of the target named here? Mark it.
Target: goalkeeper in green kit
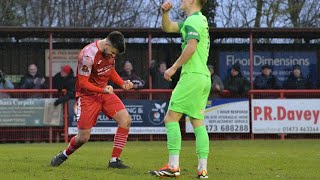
(191, 93)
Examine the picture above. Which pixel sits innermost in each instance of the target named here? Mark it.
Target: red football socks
(120, 140)
(72, 146)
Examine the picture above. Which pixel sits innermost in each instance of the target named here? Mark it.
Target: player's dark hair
(117, 41)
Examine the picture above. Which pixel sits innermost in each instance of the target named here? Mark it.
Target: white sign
(225, 116)
(61, 57)
(112, 130)
(285, 116)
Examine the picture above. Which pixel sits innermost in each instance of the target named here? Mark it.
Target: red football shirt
(98, 69)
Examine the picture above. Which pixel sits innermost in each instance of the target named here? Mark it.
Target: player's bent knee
(127, 121)
(172, 117)
(83, 139)
(123, 119)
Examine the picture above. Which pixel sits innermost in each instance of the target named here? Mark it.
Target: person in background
(266, 80)
(128, 74)
(5, 84)
(216, 83)
(64, 80)
(157, 72)
(296, 80)
(236, 82)
(32, 80)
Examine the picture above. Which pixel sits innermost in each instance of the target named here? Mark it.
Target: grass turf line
(241, 159)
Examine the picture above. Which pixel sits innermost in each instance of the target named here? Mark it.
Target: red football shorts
(89, 108)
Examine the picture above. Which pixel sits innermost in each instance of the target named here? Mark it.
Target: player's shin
(173, 143)
(120, 140)
(202, 147)
(72, 147)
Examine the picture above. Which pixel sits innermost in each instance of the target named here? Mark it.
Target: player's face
(109, 51)
(184, 5)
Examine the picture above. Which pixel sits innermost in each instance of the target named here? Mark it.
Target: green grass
(242, 159)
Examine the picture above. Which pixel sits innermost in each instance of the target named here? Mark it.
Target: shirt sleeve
(191, 29)
(116, 78)
(85, 65)
(192, 33)
(85, 84)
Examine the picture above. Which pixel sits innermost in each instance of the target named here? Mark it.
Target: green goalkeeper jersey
(196, 27)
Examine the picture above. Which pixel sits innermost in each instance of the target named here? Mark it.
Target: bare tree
(294, 10)
(8, 13)
(257, 22)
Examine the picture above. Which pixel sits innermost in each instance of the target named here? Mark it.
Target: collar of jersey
(196, 13)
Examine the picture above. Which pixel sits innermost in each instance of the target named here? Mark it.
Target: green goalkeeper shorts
(190, 96)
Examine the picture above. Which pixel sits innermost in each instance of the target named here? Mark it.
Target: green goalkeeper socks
(173, 138)
(202, 142)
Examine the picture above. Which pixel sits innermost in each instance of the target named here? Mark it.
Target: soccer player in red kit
(96, 66)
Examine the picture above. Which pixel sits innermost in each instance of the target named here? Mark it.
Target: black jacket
(237, 84)
(297, 83)
(266, 82)
(67, 83)
(135, 79)
(158, 80)
(27, 82)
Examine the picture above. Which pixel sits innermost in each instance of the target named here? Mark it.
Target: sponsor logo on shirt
(193, 33)
(85, 68)
(103, 70)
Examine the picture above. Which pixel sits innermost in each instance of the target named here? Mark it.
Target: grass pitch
(241, 159)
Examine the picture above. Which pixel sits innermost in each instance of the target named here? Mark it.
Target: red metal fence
(58, 134)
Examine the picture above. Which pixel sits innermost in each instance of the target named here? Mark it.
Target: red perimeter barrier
(57, 134)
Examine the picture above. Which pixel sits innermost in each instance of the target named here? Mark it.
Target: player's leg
(179, 102)
(196, 114)
(120, 138)
(113, 107)
(76, 142)
(173, 144)
(88, 109)
(202, 146)
(173, 137)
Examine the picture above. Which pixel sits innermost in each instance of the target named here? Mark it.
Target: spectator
(216, 83)
(64, 80)
(236, 83)
(128, 74)
(158, 80)
(32, 80)
(266, 80)
(5, 84)
(296, 79)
